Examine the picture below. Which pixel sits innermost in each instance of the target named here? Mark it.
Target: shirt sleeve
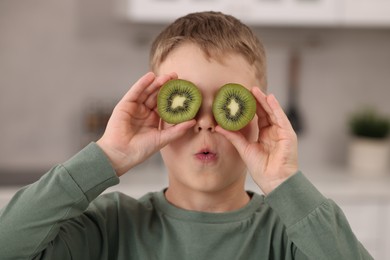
(316, 225)
(31, 221)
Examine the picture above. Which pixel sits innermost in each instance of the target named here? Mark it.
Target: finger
(262, 121)
(263, 110)
(264, 102)
(146, 85)
(236, 138)
(262, 117)
(138, 88)
(151, 101)
(152, 92)
(158, 82)
(172, 133)
(280, 116)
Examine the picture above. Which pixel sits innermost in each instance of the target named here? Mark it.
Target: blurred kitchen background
(64, 65)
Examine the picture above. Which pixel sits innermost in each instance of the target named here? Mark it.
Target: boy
(204, 213)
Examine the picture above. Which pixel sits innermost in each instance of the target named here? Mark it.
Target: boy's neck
(212, 202)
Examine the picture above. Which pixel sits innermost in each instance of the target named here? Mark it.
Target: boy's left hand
(273, 158)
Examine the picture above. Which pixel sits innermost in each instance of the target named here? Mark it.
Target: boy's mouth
(206, 155)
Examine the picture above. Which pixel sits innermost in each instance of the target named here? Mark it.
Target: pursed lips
(206, 155)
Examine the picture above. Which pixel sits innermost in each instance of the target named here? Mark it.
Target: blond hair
(216, 34)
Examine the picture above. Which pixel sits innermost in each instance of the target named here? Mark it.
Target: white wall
(58, 56)
(342, 70)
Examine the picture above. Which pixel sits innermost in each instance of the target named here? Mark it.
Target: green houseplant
(370, 124)
(369, 150)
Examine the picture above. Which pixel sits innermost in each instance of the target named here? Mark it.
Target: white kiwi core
(178, 101)
(233, 107)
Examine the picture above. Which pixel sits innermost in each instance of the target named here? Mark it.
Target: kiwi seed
(178, 100)
(234, 106)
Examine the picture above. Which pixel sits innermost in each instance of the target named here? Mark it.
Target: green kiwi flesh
(178, 100)
(234, 106)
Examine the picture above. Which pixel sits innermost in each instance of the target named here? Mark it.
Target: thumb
(171, 133)
(236, 138)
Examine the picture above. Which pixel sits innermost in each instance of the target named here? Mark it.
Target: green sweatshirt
(62, 216)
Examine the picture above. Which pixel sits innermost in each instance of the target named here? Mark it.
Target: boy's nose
(204, 125)
(205, 121)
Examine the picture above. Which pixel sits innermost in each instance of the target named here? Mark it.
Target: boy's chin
(213, 182)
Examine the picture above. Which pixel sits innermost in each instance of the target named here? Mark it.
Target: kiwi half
(234, 106)
(178, 100)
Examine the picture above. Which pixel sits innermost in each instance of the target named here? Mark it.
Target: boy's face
(203, 160)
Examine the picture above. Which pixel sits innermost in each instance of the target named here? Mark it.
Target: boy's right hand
(132, 133)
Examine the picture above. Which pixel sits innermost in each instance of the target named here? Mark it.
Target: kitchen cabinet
(386, 231)
(270, 12)
(368, 220)
(367, 12)
(288, 12)
(365, 202)
(164, 11)
(267, 12)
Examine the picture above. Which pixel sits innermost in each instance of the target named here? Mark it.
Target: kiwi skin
(178, 100)
(234, 106)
